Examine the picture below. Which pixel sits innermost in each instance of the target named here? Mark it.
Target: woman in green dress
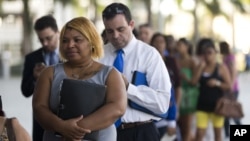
(189, 91)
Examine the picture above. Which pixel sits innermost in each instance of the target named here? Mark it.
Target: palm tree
(1, 6)
(148, 8)
(26, 45)
(214, 9)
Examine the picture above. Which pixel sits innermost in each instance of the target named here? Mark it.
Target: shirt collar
(56, 50)
(128, 48)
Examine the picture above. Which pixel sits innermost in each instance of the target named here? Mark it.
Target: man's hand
(39, 67)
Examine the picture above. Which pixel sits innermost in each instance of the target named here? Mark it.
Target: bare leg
(185, 123)
(200, 133)
(217, 134)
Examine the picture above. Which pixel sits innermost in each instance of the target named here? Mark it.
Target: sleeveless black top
(209, 95)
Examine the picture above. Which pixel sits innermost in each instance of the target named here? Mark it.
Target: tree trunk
(26, 45)
(148, 8)
(95, 10)
(196, 34)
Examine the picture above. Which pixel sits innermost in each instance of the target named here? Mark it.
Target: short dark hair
(116, 8)
(45, 22)
(145, 25)
(188, 44)
(204, 43)
(224, 47)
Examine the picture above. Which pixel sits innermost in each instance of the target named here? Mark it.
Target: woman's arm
(114, 107)
(225, 84)
(40, 101)
(224, 73)
(232, 70)
(47, 119)
(197, 71)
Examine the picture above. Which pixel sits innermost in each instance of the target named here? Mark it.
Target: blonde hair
(88, 30)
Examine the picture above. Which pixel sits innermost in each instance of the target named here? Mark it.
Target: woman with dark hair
(189, 91)
(170, 45)
(214, 79)
(159, 42)
(229, 61)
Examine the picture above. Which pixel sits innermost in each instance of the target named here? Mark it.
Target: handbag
(229, 107)
(12, 130)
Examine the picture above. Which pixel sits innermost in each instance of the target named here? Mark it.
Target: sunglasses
(111, 11)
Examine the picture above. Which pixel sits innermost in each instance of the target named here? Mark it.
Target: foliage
(239, 5)
(1, 6)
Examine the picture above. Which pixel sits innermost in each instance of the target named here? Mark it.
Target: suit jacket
(28, 80)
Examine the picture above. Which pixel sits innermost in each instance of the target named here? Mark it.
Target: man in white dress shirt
(137, 56)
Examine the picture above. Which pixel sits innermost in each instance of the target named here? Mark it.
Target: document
(78, 97)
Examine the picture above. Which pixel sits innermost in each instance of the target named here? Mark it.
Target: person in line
(145, 33)
(247, 61)
(135, 56)
(229, 60)
(189, 91)
(168, 125)
(80, 45)
(35, 62)
(171, 45)
(214, 79)
(6, 62)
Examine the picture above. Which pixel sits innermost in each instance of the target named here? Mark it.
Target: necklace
(78, 74)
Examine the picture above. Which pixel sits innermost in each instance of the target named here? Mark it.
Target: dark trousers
(37, 131)
(145, 132)
(227, 125)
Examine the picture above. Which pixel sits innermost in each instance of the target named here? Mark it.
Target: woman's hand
(184, 77)
(213, 83)
(71, 131)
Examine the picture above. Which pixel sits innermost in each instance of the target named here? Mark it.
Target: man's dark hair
(45, 22)
(145, 25)
(116, 8)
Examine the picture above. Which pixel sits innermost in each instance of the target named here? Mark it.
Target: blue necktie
(118, 64)
(52, 58)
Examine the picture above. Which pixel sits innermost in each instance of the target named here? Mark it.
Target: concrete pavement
(16, 105)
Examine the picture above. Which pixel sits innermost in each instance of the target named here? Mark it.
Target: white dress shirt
(146, 59)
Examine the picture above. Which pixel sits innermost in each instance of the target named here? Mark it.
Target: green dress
(189, 94)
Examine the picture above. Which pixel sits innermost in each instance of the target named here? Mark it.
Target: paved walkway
(15, 104)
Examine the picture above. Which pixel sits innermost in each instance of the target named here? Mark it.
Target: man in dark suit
(47, 31)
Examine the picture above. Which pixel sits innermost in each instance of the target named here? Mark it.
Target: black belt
(133, 124)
